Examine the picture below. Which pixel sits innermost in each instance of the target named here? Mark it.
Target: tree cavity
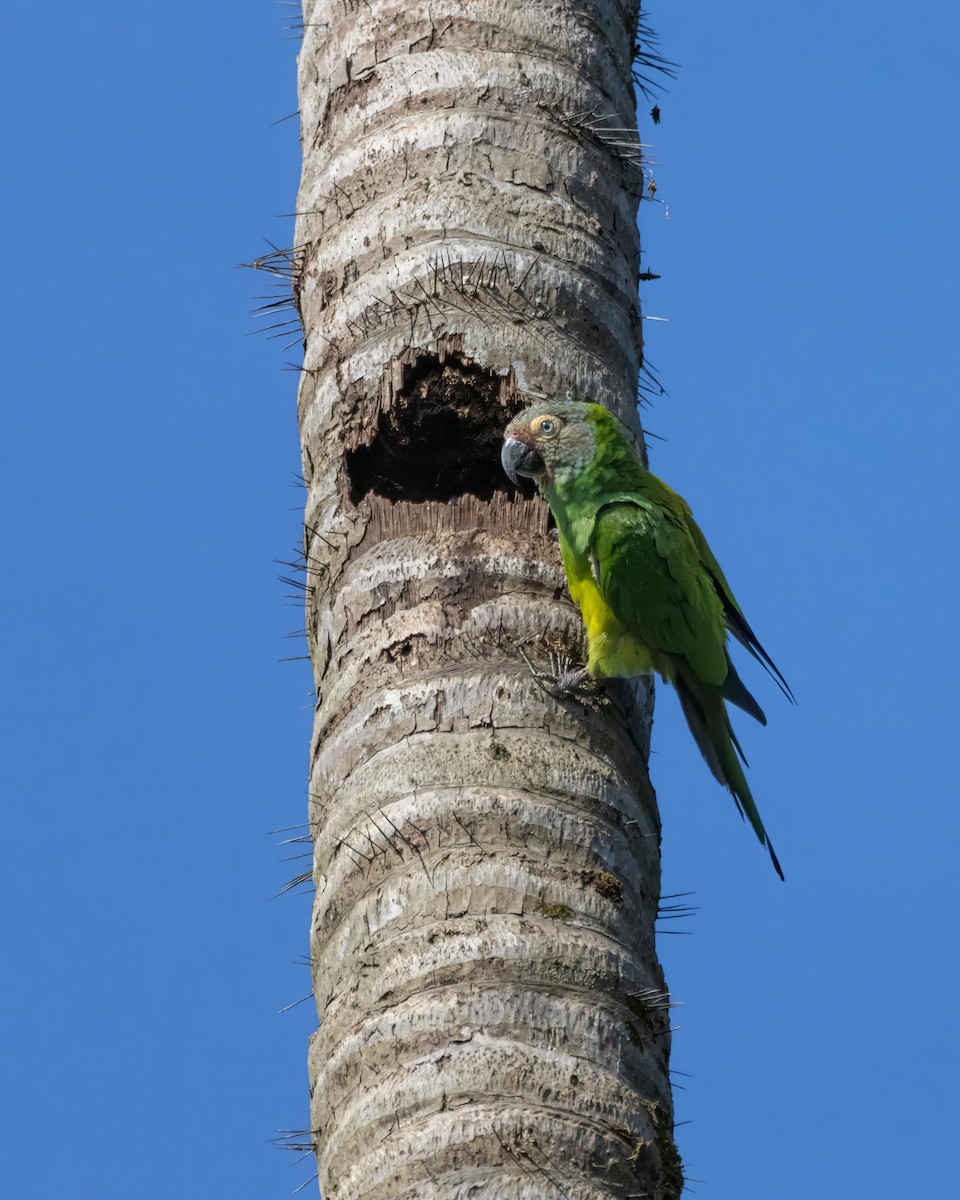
(439, 437)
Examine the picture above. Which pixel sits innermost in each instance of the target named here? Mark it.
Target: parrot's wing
(660, 494)
(651, 575)
(737, 623)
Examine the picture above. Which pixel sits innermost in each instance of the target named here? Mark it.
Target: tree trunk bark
(493, 1019)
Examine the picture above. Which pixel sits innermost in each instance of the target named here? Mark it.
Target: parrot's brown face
(548, 438)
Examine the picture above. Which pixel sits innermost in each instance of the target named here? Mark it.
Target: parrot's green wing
(659, 493)
(737, 623)
(651, 574)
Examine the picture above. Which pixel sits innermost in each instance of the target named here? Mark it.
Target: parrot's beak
(519, 459)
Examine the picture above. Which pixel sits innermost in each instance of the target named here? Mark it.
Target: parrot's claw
(562, 680)
(570, 682)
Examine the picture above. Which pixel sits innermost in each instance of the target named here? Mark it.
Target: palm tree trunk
(493, 1019)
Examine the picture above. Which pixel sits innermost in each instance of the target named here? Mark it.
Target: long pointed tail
(709, 723)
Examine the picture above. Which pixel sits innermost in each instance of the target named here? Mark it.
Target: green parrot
(651, 593)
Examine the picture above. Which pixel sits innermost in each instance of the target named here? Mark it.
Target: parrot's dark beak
(519, 459)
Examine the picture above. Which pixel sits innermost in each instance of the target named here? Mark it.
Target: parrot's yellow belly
(612, 651)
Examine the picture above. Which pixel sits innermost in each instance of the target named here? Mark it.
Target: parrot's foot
(560, 680)
(571, 681)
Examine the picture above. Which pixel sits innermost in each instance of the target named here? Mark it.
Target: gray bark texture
(493, 1018)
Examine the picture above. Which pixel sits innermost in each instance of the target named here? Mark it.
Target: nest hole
(440, 438)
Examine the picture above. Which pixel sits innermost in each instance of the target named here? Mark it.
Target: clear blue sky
(151, 738)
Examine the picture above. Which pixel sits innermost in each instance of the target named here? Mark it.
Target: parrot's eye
(546, 426)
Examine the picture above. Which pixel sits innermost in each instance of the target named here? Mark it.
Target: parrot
(652, 596)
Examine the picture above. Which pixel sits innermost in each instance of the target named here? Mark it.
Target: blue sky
(152, 739)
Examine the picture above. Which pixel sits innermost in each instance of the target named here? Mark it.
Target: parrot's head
(552, 439)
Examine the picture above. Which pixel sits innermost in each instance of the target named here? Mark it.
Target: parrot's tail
(735, 690)
(709, 723)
